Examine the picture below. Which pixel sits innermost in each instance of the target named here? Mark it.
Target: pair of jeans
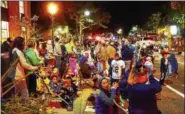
(58, 60)
(32, 83)
(162, 78)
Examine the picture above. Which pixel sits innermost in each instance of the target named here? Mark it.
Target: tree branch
(90, 26)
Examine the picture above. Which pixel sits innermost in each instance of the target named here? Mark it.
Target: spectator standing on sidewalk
(127, 56)
(6, 50)
(57, 52)
(142, 95)
(33, 60)
(163, 67)
(174, 65)
(21, 67)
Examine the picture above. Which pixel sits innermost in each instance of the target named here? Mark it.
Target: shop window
(21, 8)
(4, 4)
(4, 29)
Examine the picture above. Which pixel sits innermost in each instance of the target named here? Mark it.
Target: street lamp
(52, 9)
(81, 24)
(87, 13)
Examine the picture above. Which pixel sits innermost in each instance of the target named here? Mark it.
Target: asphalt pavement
(172, 95)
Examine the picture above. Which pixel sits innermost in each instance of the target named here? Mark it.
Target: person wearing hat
(163, 66)
(105, 98)
(142, 96)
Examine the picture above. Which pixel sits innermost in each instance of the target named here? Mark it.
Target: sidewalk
(79, 105)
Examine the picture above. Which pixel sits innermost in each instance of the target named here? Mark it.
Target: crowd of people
(118, 69)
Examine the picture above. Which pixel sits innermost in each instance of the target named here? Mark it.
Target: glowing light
(90, 37)
(87, 13)
(52, 8)
(119, 31)
(98, 38)
(173, 29)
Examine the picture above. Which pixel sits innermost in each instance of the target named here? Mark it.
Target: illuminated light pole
(87, 13)
(81, 24)
(52, 9)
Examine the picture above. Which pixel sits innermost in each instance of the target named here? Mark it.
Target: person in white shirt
(118, 67)
(49, 47)
(57, 52)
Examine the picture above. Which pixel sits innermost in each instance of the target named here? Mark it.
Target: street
(172, 96)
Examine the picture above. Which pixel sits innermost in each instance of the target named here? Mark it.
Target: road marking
(172, 89)
(181, 62)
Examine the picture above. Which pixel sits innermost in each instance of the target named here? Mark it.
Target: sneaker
(69, 108)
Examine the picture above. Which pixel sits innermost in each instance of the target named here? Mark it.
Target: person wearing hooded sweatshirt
(33, 60)
(105, 99)
(174, 64)
(141, 95)
(84, 67)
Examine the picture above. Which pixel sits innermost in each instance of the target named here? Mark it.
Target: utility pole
(52, 30)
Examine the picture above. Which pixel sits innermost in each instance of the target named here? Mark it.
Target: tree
(27, 24)
(154, 21)
(97, 17)
(177, 13)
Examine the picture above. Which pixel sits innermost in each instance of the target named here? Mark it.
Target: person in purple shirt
(105, 99)
(142, 96)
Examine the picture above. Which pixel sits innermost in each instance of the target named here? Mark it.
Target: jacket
(85, 70)
(126, 53)
(173, 61)
(163, 66)
(22, 65)
(104, 103)
(32, 58)
(101, 52)
(142, 98)
(104, 100)
(111, 51)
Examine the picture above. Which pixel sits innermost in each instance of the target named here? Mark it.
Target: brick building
(12, 14)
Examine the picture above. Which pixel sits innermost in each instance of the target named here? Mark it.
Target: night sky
(124, 14)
